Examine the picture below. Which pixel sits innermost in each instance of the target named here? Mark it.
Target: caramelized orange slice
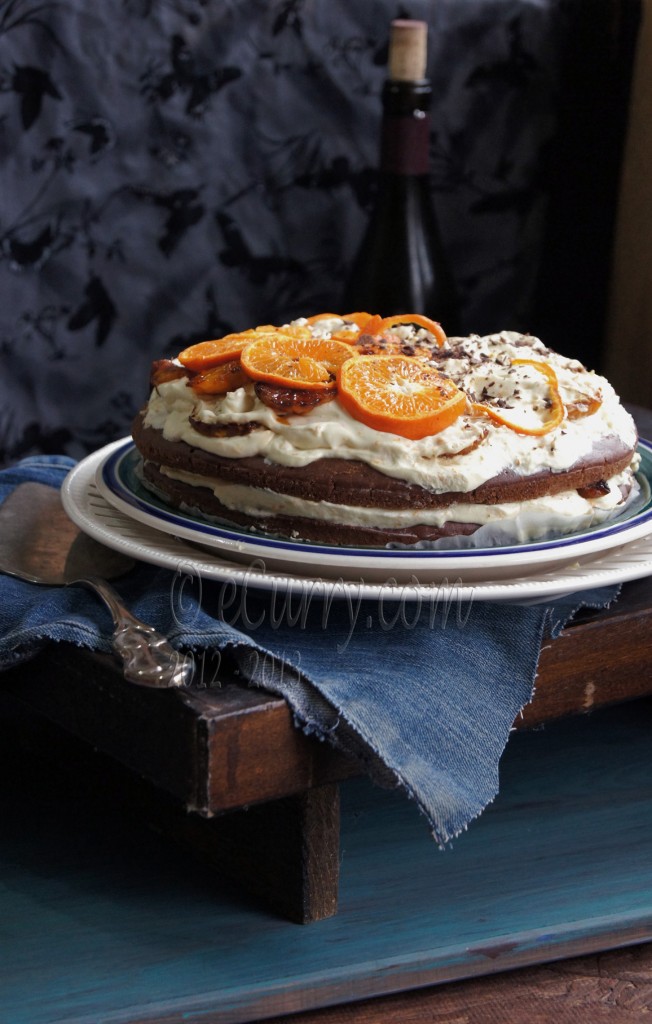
(348, 337)
(291, 401)
(556, 405)
(399, 395)
(323, 316)
(206, 354)
(345, 334)
(373, 326)
(359, 319)
(165, 370)
(295, 362)
(584, 405)
(219, 379)
(435, 328)
(376, 337)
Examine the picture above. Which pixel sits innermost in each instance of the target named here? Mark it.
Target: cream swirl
(466, 454)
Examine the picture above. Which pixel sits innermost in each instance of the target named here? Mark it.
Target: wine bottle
(401, 266)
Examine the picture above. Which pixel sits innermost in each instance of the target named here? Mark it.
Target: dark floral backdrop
(175, 169)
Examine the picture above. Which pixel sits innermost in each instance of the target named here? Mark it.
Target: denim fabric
(424, 696)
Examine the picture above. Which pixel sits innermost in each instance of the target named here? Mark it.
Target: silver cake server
(40, 544)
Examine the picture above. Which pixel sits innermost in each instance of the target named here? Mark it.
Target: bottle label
(405, 141)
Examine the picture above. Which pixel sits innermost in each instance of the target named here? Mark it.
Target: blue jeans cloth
(423, 695)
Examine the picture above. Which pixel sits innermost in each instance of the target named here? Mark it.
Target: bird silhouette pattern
(176, 170)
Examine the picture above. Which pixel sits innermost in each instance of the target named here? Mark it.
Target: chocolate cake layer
(350, 482)
(202, 500)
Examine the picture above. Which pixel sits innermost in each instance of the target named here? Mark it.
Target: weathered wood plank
(228, 747)
(603, 659)
(615, 986)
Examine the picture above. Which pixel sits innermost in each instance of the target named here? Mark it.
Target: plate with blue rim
(116, 474)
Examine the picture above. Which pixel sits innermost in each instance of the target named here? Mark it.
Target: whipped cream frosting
(465, 455)
(259, 502)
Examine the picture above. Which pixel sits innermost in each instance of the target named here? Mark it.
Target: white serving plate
(102, 495)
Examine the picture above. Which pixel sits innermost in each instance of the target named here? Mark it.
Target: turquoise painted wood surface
(102, 924)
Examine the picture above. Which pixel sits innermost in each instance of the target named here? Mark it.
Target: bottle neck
(406, 128)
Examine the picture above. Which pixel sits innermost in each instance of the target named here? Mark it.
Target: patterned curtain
(171, 170)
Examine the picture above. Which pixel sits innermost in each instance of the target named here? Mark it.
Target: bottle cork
(408, 50)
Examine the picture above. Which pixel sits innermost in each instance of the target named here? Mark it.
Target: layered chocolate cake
(368, 432)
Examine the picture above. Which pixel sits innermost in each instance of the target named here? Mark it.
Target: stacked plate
(104, 497)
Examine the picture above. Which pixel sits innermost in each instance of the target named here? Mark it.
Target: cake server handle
(148, 658)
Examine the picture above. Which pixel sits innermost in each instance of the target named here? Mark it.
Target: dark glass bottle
(401, 266)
